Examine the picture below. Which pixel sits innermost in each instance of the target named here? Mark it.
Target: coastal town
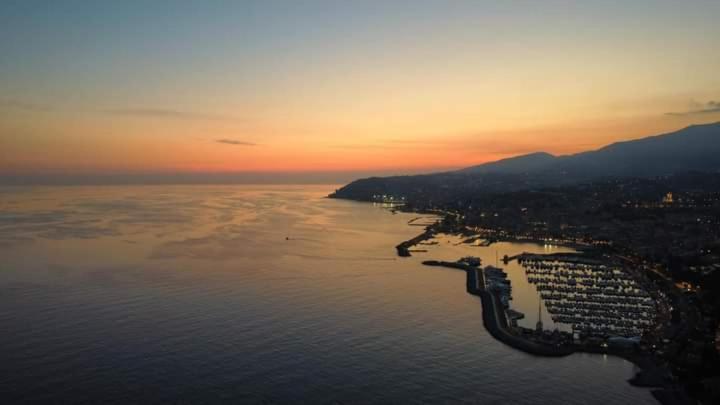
(643, 285)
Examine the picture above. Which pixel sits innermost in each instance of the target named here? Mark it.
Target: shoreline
(655, 370)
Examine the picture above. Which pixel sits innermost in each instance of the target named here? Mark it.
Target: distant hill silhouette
(516, 165)
(695, 148)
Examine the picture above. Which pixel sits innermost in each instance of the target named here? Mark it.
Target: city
(647, 243)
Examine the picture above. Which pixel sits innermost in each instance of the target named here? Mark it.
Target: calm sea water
(249, 294)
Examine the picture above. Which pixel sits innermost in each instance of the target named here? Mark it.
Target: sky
(293, 88)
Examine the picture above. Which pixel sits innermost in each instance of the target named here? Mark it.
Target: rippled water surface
(250, 294)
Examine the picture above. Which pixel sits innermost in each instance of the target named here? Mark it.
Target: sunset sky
(386, 86)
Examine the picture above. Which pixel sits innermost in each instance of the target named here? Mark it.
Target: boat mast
(539, 325)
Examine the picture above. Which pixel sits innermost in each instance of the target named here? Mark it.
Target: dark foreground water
(194, 295)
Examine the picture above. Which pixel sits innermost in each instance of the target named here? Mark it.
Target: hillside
(695, 148)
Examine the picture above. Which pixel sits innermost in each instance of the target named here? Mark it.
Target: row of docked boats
(593, 298)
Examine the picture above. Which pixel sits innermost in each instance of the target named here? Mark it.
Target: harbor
(553, 301)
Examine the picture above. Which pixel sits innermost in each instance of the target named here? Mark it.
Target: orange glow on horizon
(128, 146)
(348, 86)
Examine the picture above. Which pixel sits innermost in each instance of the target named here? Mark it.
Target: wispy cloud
(169, 114)
(699, 108)
(235, 142)
(22, 105)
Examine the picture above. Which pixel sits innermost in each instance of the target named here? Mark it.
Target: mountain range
(692, 149)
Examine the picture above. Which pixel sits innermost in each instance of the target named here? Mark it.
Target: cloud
(698, 108)
(168, 114)
(234, 142)
(23, 105)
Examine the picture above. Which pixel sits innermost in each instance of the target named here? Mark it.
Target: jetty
(493, 313)
(403, 249)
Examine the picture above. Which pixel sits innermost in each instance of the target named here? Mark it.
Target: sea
(260, 295)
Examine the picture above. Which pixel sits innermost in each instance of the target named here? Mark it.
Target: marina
(567, 301)
(594, 299)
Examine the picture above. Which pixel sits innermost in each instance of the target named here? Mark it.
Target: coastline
(654, 371)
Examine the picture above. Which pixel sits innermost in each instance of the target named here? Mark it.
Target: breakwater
(403, 249)
(493, 313)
